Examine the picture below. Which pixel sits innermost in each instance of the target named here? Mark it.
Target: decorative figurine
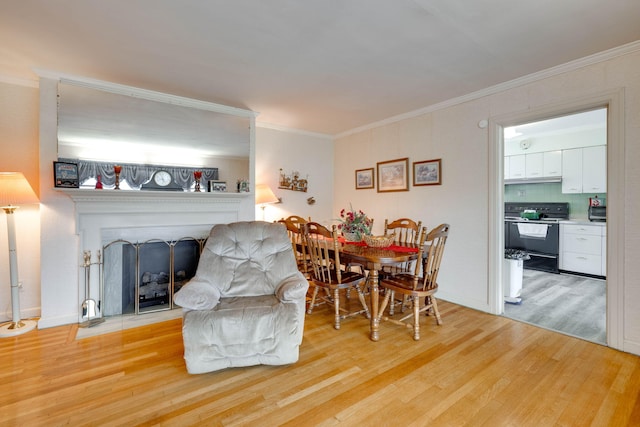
(197, 175)
(117, 169)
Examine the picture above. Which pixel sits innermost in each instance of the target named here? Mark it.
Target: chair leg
(383, 306)
(405, 298)
(434, 305)
(313, 300)
(336, 304)
(416, 319)
(363, 302)
(393, 303)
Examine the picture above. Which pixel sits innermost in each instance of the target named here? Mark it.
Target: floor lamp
(264, 196)
(15, 190)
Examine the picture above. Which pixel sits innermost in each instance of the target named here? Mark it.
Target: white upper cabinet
(552, 163)
(533, 165)
(594, 169)
(584, 170)
(572, 171)
(507, 167)
(517, 166)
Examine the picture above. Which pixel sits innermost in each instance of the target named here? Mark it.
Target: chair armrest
(292, 289)
(197, 295)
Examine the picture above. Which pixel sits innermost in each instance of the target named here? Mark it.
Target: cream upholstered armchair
(245, 305)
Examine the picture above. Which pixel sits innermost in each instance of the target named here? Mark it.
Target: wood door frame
(614, 102)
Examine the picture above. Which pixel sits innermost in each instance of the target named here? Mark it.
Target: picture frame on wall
(427, 172)
(364, 179)
(217, 186)
(393, 175)
(65, 175)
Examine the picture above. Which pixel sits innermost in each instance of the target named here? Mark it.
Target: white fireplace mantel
(101, 209)
(132, 201)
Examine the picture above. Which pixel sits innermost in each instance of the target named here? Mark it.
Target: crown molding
(141, 93)
(501, 87)
(280, 128)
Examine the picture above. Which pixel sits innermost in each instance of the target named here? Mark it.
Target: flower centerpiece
(354, 224)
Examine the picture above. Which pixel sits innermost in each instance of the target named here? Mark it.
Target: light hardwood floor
(476, 369)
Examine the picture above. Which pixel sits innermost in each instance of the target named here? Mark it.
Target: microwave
(597, 213)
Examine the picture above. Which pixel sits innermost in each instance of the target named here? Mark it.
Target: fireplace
(150, 242)
(141, 277)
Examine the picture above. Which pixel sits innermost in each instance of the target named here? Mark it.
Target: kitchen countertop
(583, 221)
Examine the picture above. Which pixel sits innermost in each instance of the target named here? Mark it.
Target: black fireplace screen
(142, 277)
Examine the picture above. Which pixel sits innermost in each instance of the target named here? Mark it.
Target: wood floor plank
(475, 369)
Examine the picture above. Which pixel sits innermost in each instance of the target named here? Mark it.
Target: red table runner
(391, 247)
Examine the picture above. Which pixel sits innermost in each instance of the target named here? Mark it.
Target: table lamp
(264, 196)
(15, 190)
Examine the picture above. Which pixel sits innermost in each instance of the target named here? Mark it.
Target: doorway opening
(557, 161)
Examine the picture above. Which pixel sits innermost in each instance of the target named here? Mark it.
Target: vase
(351, 237)
(117, 169)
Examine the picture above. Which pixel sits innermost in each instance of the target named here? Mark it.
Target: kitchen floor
(566, 303)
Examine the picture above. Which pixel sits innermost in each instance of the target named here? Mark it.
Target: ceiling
(320, 66)
(577, 122)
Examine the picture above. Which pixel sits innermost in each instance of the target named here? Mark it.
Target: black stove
(538, 237)
(549, 211)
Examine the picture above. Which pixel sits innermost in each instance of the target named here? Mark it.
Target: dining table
(373, 259)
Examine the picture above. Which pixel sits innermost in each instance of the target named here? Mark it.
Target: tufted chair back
(246, 258)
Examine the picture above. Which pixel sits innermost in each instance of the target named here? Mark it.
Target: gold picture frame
(393, 175)
(364, 179)
(427, 172)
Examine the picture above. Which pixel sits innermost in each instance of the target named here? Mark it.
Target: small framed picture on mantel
(217, 186)
(65, 175)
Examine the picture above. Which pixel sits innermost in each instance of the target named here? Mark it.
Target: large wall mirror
(108, 123)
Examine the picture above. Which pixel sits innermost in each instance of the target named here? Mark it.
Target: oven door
(543, 238)
(540, 240)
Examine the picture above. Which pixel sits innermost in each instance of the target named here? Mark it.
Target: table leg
(375, 320)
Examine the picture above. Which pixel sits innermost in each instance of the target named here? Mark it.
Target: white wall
(452, 133)
(19, 129)
(461, 200)
(309, 154)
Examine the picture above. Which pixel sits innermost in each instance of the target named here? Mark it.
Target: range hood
(540, 180)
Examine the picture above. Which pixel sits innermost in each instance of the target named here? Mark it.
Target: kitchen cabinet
(584, 170)
(594, 169)
(581, 248)
(552, 163)
(533, 165)
(572, 171)
(507, 167)
(604, 251)
(517, 166)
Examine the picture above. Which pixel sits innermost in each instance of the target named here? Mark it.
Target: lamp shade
(15, 190)
(264, 195)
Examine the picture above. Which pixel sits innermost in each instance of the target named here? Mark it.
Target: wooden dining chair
(419, 287)
(405, 231)
(327, 274)
(295, 232)
(298, 219)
